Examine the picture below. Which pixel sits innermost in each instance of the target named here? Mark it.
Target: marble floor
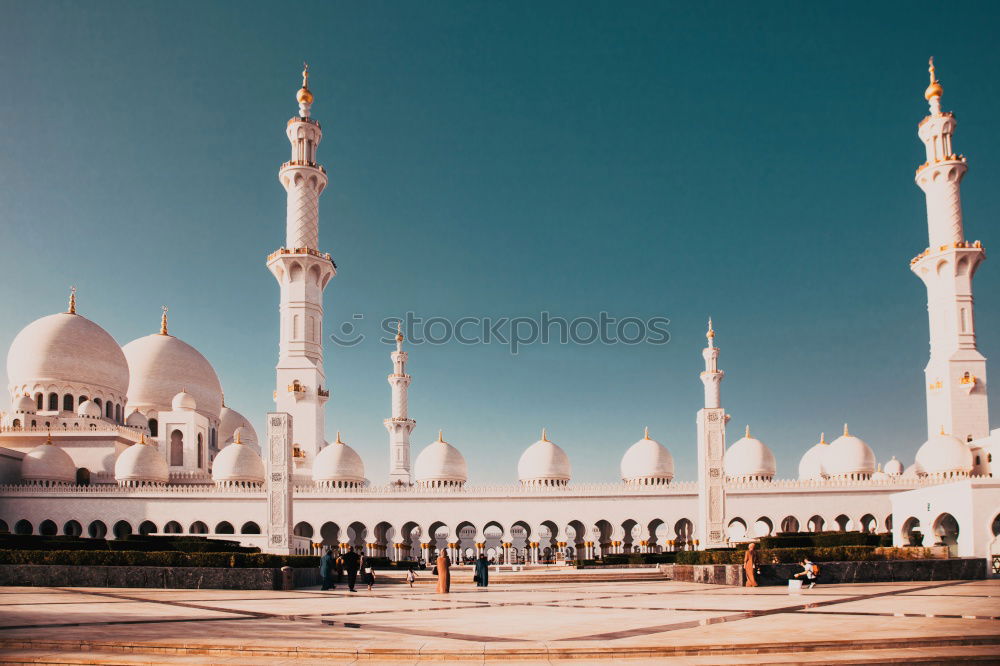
(645, 622)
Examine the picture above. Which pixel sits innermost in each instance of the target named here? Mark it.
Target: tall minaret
(956, 373)
(710, 530)
(399, 425)
(302, 272)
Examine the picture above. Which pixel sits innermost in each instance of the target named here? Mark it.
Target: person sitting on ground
(809, 571)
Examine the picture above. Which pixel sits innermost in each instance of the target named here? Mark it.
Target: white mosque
(105, 440)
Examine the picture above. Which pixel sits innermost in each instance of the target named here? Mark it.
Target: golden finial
(304, 96)
(72, 301)
(238, 440)
(846, 433)
(544, 438)
(399, 331)
(338, 438)
(646, 434)
(440, 435)
(880, 467)
(142, 438)
(163, 320)
(934, 89)
(822, 438)
(48, 436)
(942, 429)
(711, 331)
(747, 433)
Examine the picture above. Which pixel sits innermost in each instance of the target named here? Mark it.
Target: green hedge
(821, 539)
(183, 543)
(640, 558)
(789, 555)
(156, 559)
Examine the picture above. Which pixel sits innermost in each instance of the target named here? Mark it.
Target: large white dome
(237, 463)
(945, 455)
(749, 458)
(162, 366)
(811, 464)
(440, 464)
(48, 463)
(339, 465)
(141, 463)
(647, 462)
(894, 467)
(544, 463)
(849, 456)
(67, 348)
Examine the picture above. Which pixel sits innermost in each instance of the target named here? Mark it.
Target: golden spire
(48, 436)
(163, 320)
(544, 438)
(846, 433)
(440, 435)
(942, 429)
(711, 331)
(399, 331)
(338, 439)
(822, 438)
(646, 434)
(239, 440)
(747, 433)
(304, 96)
(142, 438)
(72, 301)
(934, 89)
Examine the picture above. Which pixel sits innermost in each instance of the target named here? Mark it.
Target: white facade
(141, 425)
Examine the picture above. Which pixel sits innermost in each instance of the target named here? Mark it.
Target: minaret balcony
(301, 250)
(302, 163)
(300, 119)
(975, 246)
(945, 160)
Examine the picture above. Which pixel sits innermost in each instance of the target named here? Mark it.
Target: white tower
(302, 272)
(710, 530)
(399, 425)
(956, 373)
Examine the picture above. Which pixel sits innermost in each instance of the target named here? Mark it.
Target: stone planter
(56, 575)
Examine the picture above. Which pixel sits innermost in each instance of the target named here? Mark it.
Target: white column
(279, 484)
(399, 425)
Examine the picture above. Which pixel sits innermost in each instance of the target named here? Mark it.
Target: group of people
(333, 570)
(751, 565)
(347, 564)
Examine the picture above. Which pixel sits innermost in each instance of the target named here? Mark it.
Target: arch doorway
(946, 533)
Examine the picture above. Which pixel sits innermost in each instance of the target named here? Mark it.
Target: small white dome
(184, 400)
(339, 465)
(647, 462)
(440, 463)
(25, 405)
(894, 467)
(68, 348)
(913, 471)
(879, 475)
(849, 456)
(89, 409)
(945, 455)
(544, 463)
(141, 463)
(811, 464)
(161, 366)
(229, 421)
(749, 458)
(48, 463)
(237, 463)
(137, 420)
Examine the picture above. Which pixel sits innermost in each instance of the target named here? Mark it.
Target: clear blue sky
(753, 162)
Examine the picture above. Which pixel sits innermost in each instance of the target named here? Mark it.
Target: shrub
(819, 539)
(790, 555)
(182, 543)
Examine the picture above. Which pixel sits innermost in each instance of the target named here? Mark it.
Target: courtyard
(642, 621)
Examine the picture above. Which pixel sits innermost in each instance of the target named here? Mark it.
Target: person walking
(482, 576)
(340, 568)
(367, 572)
(443, 573)
(326, 566)
(750, 563)
(410, 577)
(352, 561)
